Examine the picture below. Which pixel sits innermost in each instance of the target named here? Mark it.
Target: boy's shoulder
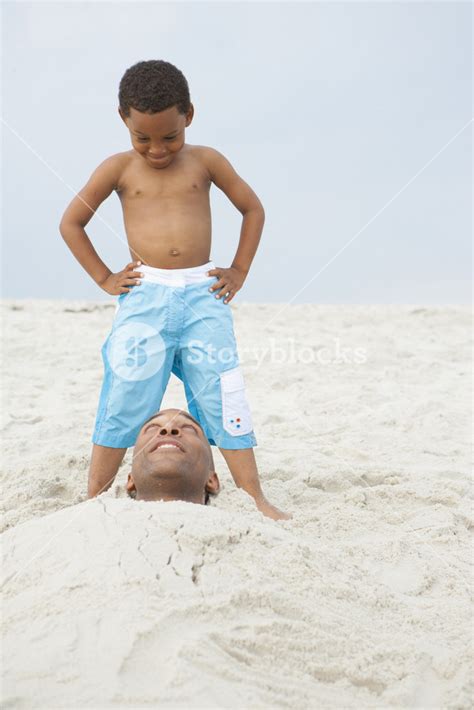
(196, 151)
(120, 160)
(112, 167)
(211, 159)
(120, 164)
(205, 152)
(201, 151)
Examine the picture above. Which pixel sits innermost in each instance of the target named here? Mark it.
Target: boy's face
(158, 136)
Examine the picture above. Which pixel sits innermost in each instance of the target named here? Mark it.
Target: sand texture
(362, 600)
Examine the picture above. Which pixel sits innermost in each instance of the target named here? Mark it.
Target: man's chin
(166, 463)
(165, 471)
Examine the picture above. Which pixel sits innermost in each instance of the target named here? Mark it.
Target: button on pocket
(236, 417)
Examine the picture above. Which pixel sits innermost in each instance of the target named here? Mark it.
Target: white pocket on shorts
(236, 417)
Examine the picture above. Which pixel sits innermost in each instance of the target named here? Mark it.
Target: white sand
(360, 601)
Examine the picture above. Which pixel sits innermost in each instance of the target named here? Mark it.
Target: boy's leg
(137, 358)
(105, 462)
(243, 467)
(208, 365)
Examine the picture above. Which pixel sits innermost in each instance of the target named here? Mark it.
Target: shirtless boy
(172, 312)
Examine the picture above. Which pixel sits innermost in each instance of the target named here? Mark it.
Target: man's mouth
(166, 446)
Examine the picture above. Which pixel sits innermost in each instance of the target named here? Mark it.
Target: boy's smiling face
(158, 136)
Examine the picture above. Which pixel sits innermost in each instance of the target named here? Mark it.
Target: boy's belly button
(174, 252)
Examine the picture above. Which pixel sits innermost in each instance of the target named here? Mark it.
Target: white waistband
(176, 277)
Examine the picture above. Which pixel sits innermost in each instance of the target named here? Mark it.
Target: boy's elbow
(71, 221)
(256, 206)
(65, 220)
(261, 211)
(66, 227)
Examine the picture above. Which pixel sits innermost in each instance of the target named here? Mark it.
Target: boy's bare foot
(270, 510)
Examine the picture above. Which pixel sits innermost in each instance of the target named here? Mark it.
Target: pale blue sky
(328, 110)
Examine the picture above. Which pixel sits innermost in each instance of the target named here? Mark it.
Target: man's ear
(121, 115)
(212, 484)
(130, 485)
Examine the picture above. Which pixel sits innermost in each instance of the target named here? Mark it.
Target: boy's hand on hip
(230, 281)
(119, 283)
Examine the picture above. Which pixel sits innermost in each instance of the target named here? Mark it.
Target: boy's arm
(245, 200)
(80, 210)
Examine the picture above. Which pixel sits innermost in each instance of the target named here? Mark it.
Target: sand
(362, 600)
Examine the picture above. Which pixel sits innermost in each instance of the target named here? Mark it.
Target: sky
(352, 121)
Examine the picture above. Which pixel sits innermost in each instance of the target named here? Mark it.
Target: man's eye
(171, 139)
(189, 426)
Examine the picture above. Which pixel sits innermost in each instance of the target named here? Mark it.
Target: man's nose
(173, 429)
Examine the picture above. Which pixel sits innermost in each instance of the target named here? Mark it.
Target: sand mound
(361, 600)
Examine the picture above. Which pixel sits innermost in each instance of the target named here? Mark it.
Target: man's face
(158, 136)
(172, 460)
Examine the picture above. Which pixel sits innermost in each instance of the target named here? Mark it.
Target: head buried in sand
(172, 460)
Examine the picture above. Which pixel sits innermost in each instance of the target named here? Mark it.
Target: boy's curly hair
(153, 86)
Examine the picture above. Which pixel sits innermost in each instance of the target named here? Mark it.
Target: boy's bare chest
(185, 180)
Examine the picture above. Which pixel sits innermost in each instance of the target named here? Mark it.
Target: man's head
(172, 460)
(155, 105)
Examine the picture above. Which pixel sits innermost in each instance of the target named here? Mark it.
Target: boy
(172, 312)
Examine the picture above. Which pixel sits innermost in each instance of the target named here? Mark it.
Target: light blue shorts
(172, 323)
